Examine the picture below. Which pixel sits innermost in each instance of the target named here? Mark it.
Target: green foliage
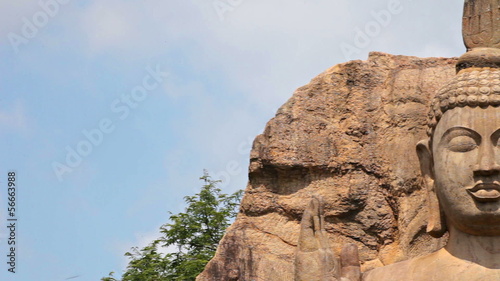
(196, 234)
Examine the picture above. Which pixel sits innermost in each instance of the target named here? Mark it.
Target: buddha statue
(460, 162)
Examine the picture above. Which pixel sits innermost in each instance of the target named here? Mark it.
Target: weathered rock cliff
(349, 136)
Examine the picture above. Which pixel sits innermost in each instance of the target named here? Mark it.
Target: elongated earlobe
(436, 226)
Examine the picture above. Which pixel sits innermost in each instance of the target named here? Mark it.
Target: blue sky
(164, 89)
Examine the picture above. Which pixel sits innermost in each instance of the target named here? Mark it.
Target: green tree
(195, 233)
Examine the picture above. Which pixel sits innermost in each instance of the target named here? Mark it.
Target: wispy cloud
(14, 118)
(141, 240)
(12, 13)
(111, 25)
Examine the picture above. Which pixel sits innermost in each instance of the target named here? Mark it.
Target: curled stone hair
(476, 84)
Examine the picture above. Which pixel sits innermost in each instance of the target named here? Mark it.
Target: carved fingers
(315, 259)
(309, 227)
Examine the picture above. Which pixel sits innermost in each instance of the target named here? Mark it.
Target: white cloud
(264, 49)
(110, 25)
(144, 239)
(14, 117)
(141, 240)
(11, 14)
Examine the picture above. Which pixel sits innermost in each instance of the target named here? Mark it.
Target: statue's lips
(485, 192)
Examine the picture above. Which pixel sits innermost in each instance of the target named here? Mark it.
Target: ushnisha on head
(477, 84)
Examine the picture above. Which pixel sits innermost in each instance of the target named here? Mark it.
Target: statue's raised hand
(315, 260)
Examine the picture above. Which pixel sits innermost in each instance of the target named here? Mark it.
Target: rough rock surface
(349, 136)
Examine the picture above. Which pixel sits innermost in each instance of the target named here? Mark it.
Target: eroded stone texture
(348, 136)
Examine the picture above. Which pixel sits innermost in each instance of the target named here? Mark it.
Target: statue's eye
(462, 144)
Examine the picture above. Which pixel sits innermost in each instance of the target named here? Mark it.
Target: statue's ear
(426, 162)
(435, 226)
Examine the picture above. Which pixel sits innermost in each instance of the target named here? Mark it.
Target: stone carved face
(465, 168)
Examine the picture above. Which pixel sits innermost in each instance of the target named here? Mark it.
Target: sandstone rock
(349, 136)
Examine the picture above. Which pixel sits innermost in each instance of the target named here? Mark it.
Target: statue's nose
(487, 163)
